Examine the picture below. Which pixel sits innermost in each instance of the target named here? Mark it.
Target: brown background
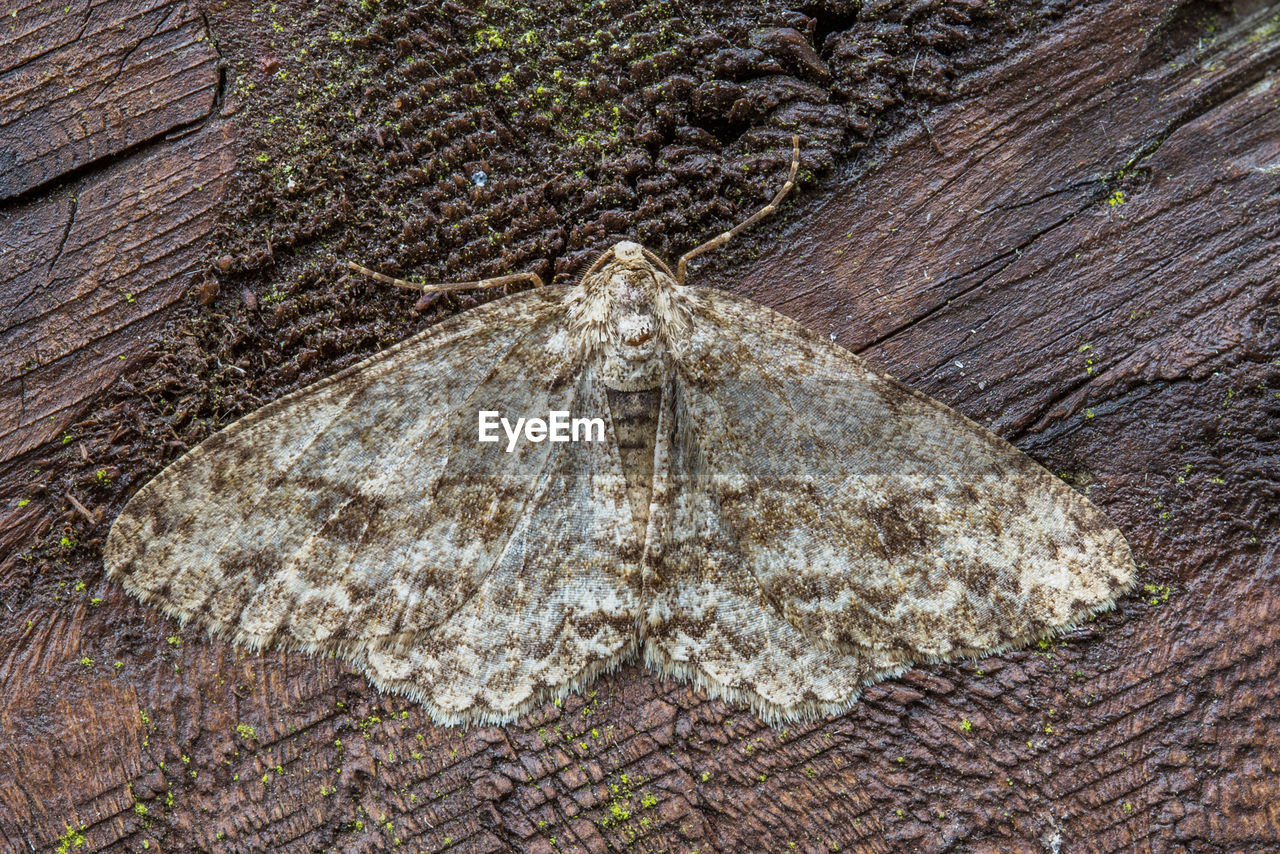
(1062, 218)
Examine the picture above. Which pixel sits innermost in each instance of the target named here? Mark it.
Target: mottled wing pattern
(708, 619)
(557, 607)
(822, 525)
(361, 516)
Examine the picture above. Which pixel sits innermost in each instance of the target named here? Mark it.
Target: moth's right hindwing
(361, 516)
(559, 601)
(708, 620)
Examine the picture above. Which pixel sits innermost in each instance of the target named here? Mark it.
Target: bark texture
(1062, 219)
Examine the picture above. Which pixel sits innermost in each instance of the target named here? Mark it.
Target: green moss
(491, 37)
(73, 838)
(1046, 646)
(1157, 594)
(1266, 31)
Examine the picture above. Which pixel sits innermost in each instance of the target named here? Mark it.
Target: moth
(769, 517)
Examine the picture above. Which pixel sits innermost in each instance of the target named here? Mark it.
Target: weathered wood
(82, 81)
(78, 312)
(1128, 341)
(88, 274)
(88, 270)
(1135, 187)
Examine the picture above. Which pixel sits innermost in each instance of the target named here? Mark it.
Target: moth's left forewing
(853, 515)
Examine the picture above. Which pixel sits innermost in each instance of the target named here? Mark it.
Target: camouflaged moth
(769, 517)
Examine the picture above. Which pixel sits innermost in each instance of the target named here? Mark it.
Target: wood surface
(1064, 221)
(91, 80)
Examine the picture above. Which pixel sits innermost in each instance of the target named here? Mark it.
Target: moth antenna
(479, 284)
(599, 262)
(722, 239)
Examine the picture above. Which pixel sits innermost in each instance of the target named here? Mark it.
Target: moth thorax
(634, 355)
(621, 374)
(635, 345)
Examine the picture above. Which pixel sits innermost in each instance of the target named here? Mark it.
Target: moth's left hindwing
(361, 516)
(823, 525)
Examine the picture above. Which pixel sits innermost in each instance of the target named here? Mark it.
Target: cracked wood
(93, 79)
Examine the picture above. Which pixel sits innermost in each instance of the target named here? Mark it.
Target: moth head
(631, 313)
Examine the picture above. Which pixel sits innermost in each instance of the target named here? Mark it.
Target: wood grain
(88, 274)
(84, 81)
(1095, 209)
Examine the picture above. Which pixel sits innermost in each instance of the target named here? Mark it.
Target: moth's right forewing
(357, 512)
(559, 601)
(205, 534)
